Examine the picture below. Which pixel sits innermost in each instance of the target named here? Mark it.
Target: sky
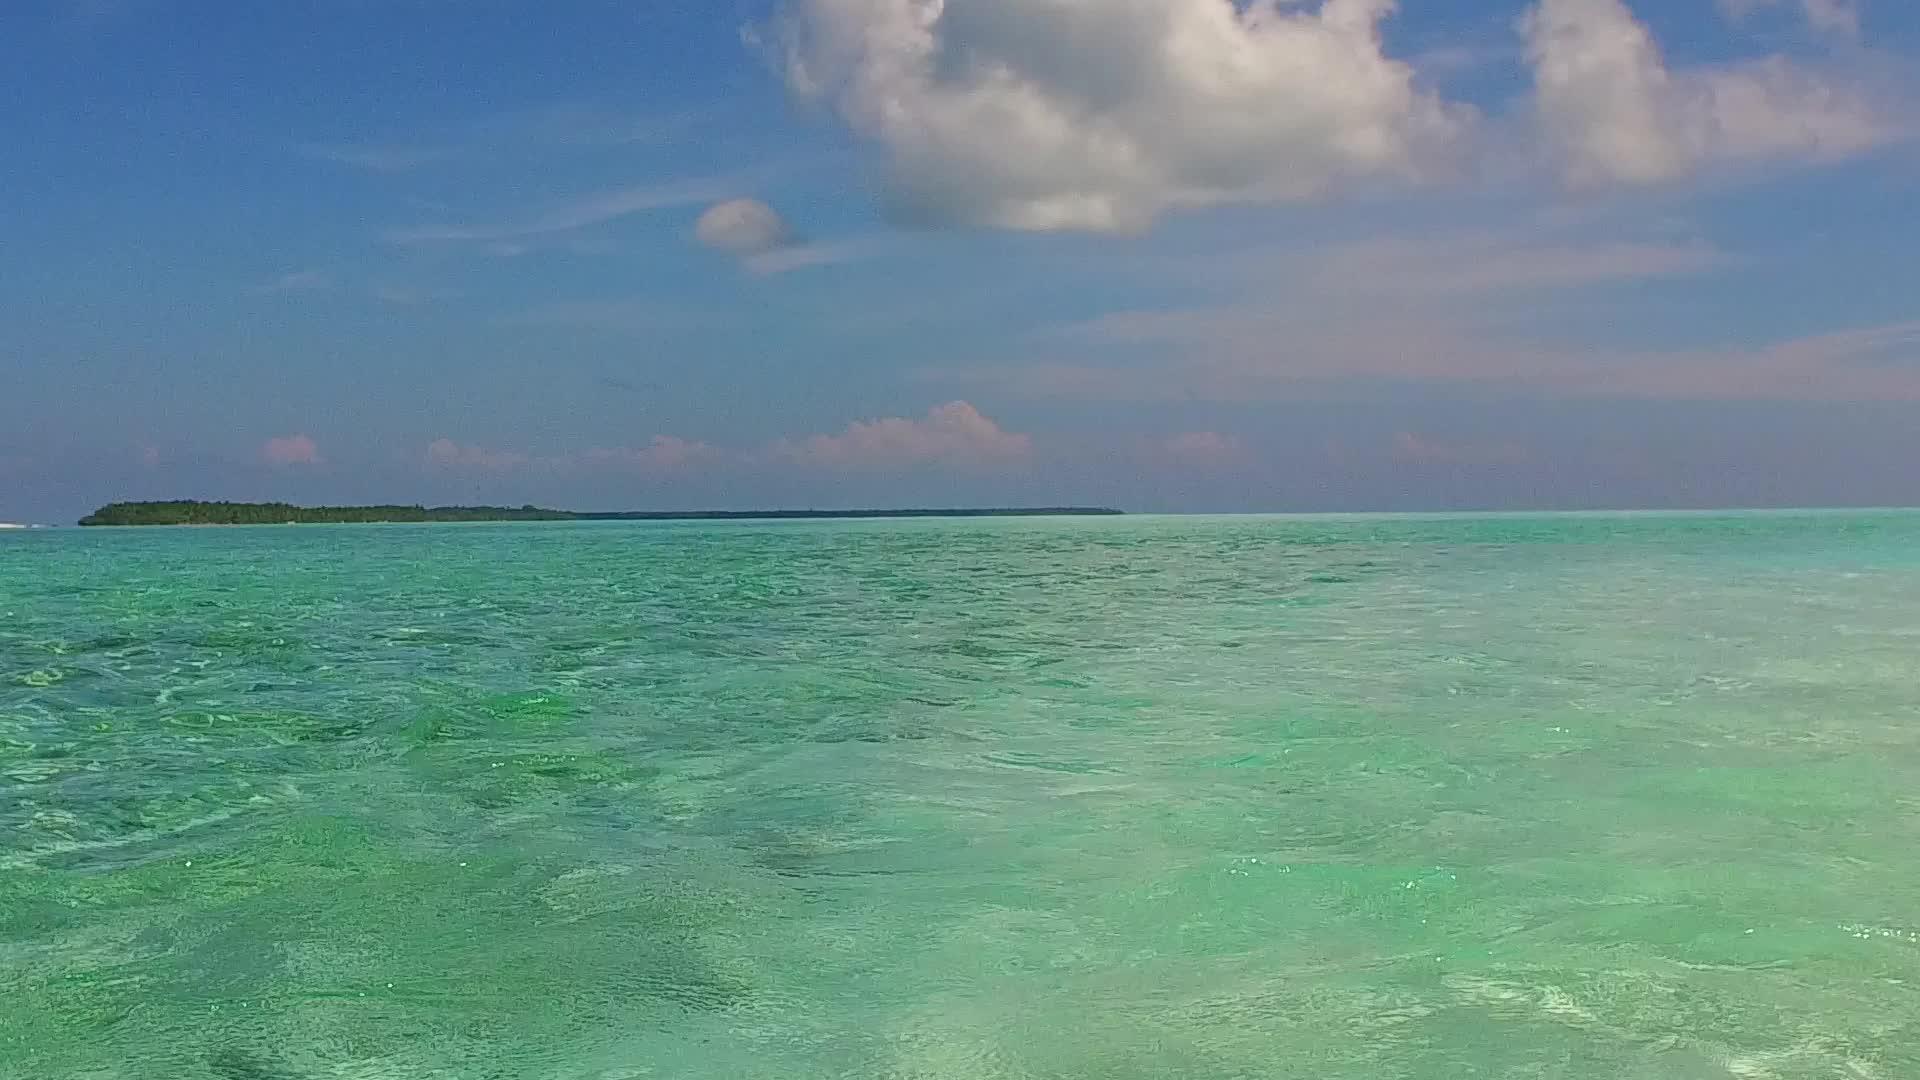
(1165, 255)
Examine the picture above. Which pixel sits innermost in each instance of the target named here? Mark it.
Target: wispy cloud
(627, 315)
(578, 127)
(89, 12)
(1831, 16)
(1444, 303)
(1203, 449)
(1237, 358)
(953, 436)
(1514, 257)
(412, 296)
(1460, 264)
(1876, 363)
(574, 214)
(447, 454)
(615, 382)
(804, 256)
(661, 454)
(298, 281)
(1418, 449)
(583, 126)
(381, 158)
(1457, 58)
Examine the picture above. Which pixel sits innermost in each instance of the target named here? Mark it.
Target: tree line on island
(193, 512)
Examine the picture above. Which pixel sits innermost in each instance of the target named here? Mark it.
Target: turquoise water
(1601, 796)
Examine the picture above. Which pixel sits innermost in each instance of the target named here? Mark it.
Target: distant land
(231, 513)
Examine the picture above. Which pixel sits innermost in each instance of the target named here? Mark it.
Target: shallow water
(1587, 796)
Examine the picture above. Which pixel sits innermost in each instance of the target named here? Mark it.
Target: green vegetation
(230, 513)
(190, 512)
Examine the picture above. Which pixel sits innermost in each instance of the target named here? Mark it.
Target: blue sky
(1164, 254)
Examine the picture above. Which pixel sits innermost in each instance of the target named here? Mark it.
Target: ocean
(1341, 798)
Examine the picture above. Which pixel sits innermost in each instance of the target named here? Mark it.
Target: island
(194, 512)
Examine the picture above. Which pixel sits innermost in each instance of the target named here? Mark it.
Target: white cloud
(1104, 114)
(763, 241)
(640, 315)
(954, 434)
(1495, 263)
(802, 256)
(1411, 446)
(1076, 114)
(390, 158)
(515, 132)
(406, 296)
(1483, 274)
(661, 454)
(1203, 449)
(580, 125)
(298, 281)
(291, 450)
(1240, 357)
(1453, 306)
(569, 216)
(1832, 16)
(1615, 113)
(743, 227)
(445, 453)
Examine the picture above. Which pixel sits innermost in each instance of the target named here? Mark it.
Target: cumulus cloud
(955, 434)
(1074, 114)
(1615, 113)
(291, 450)
(763, 241)
(1832, 16)
(743, 227)
(1068, 114)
